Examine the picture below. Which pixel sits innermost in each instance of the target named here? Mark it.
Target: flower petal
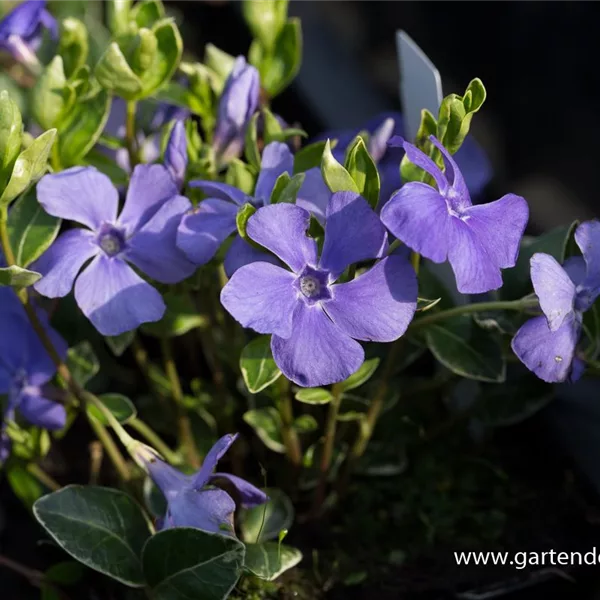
(60, 264)
(318, 352)
(418, 216)
(202, 231)
(170, 481)
(24, 20)
(261, 296)
(554, 288)
(80, 194)
(42, 412)
(114, 298)
(500, 226)
(149, 188)
(419, 158)
(587, 237)
(215, 454)
(314, 194)
(250, 496)
(222, 191)
(575, 268)
(380, 137)
(241, 253)
(549, 354)
(276, 159)
(209, 510)
(460, 194)
(379, 304)
(353, 233)
(153, 250)
(475, 271)
(281, 228)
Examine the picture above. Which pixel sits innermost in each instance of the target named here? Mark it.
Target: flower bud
(176, 158)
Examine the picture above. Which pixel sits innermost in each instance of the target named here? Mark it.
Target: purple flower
(109, 291)
(176, 158)
(546, 344)
(238, 103)
(203, 230)
(314, 321)
(26, 369)
(191, 499)
(21, 30)
(443, 224)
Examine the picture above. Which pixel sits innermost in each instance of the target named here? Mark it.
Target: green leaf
(65, 573)
(175, 93)
(31, 230)
(119, 343)
(145, 48)
(180, 317)
(266, 422)
(269, 560)
(265, 18)
(11, 132)
(73, 45)
(351, 415)
(147, 12)
(305, 424)
(310, 156)
(97, 159)
(184, 563)
(278, 67)
(17, 277)
(118, 16)
(82, 362)
(83, 127)
(271, 126)
(286, 189)
(241, 219)
(335, 176)
(48, 99)
(101, 527)
(264, 522)
(257, 365)
(241, 176)
(30, 165)
(219, 62)
(120, 406)
(115, 75)
(468, 351)
(361, 376)
(314, 396)
(251, 144)
(25, 486)
(361, 167)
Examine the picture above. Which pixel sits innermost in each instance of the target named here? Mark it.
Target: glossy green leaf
(467, 351)
(48, 99)
(18, 277)
(24, 485)
(115, 75)
(11, 131)
(67, 572)
(179, 95)
(266, 423)
(270, 559)
(286, 189)
(314, 396)
(251, 151)
(82, 362)
(361, 167)
(73, 45)
(147, 12)
(184, 563)
(335, 175)
(241, 175)
(257, 365)
(144, 52)
(361, 376)
(30, 165)
(265, 522)
(265, 18)
(242, 217)
(220, 63)
(311, 156)
(305, 424)
(83, 127)
(118, 15)
(120, 406)
(101, 527)
(31, 230)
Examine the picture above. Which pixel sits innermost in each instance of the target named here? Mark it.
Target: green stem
(111, 448)
(154, 439)
(183, 422)
(130, 137)
(415, 261)
(286, 412)
(43, 477)
(55, 158)
(466, 309)
(393, 246)
(328, 446)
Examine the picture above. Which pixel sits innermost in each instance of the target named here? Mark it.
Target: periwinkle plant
(266, 272)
